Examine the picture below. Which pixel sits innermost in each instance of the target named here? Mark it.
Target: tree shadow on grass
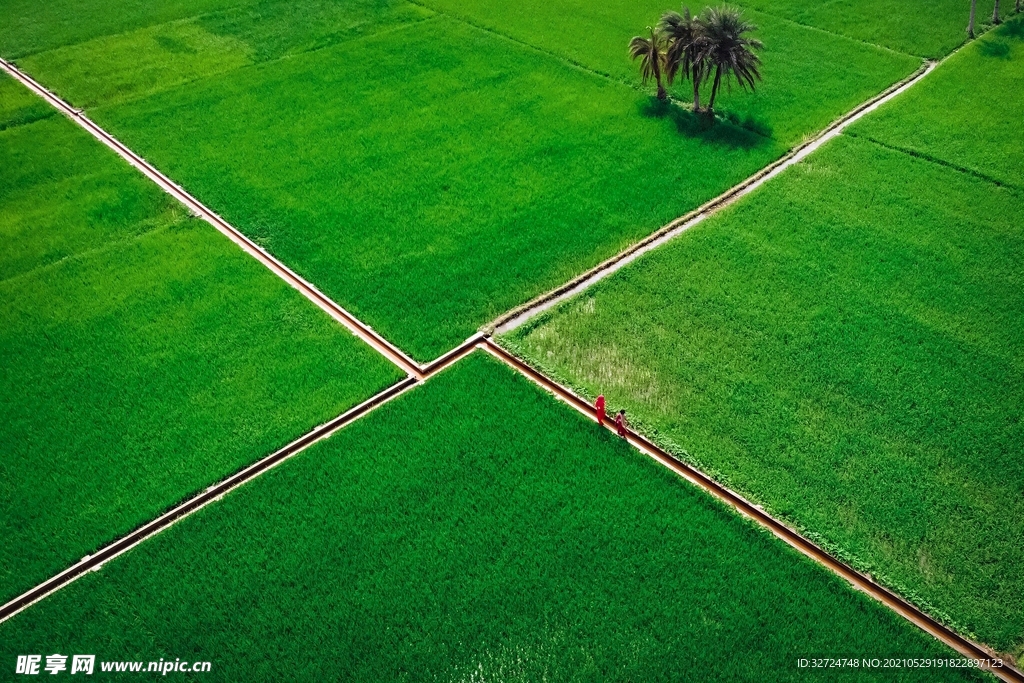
(1011, 29)
(705, 128)
(995, 48)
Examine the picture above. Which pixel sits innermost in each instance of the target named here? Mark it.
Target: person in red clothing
(621, 424)
(599, 407)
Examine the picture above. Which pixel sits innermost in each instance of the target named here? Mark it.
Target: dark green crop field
(968, 114)
(144, 355)
(60, 191)
(845, 345)
(19, 106)
(929, 29)
(473, 529)
(429, 210)
(426, 173)
(810, 77)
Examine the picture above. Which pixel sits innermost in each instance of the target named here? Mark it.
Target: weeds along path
(517, 316)
(419, 373)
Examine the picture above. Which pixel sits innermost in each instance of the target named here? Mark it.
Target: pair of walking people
(620, 418)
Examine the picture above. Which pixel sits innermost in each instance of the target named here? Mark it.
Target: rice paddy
(472, 529)
(144, 355)
(845, 346)
(842, 346)
(384, 185)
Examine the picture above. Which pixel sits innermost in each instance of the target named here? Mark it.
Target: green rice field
(929, 29)
(845, 346)
(473, 529)
(374, 147)
(969, 115)
(804, 86)
(19, 106)
(144, 355)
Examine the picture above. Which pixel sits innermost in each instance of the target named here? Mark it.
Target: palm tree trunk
(995, 14)
(655, 58)
(970, 24)
(714, 89)
(696, 91)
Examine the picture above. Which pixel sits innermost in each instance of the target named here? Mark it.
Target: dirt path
(197, 208)
(230, 483)
(531, 309)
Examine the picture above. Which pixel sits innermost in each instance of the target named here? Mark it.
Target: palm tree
(970, 23)
(683, 33)
(995, 13)
(651, 53)
(726, 49)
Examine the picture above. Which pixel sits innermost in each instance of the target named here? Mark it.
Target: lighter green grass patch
(124, 66)
(31, 26)
(159, 57)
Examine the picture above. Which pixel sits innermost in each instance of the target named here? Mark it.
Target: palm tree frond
(728, 48)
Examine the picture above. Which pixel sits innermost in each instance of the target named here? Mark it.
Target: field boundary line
(965, 646)
(924, 156)
(566, 61)
(99, 251)
(521, 314)
(197, 208)
(210, 494)
(854, 39)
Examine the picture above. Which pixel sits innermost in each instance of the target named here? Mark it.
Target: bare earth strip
(520, 315)
(358, 328)
(420, 372)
